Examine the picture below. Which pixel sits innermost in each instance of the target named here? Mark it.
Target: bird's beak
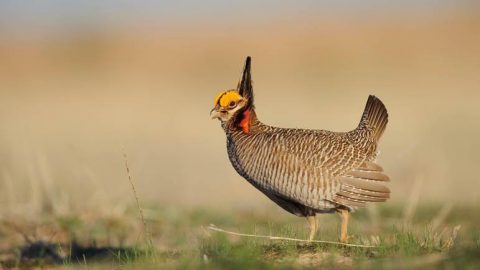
(214, 114)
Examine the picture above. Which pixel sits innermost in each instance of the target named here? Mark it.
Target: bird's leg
(312, 222)
(344, 214)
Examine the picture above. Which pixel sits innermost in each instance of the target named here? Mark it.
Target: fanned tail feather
(375, 117)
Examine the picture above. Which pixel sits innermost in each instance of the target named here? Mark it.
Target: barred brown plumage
(305, 171)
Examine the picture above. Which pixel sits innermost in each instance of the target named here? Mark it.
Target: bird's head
(226, 104)
(236, 102)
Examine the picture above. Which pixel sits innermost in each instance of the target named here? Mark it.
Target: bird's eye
(232, 104)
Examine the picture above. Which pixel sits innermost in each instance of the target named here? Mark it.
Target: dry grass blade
(451, 241)
(441, 216)
(412, 203)
(148, 239)
(214, 228)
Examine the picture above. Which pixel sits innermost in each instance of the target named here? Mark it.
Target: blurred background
(83, 81)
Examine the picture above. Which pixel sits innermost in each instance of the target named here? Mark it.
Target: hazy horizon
(72, 100)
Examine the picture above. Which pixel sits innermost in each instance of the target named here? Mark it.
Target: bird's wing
(316, 169)
(357, 178)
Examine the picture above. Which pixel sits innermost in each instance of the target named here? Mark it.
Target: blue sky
(56, 15)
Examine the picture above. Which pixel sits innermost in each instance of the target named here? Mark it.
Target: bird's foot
(346, 238)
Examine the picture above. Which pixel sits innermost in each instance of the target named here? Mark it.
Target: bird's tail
(375, 117)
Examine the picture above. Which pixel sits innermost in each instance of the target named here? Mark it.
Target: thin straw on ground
(214, 228)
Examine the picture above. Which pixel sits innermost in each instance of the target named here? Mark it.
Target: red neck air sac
(245, 122)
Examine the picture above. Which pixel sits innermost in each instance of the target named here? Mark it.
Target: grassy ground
(181, 239)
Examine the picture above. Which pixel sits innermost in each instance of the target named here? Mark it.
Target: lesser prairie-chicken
(304, 171)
